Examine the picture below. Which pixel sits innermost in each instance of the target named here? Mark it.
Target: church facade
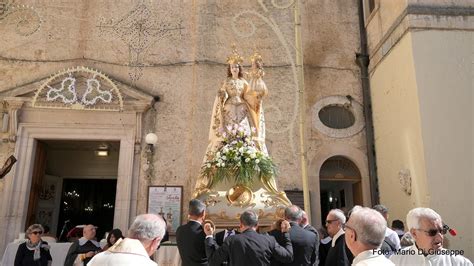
(369, 101)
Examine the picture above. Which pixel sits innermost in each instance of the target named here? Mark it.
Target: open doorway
(73, 183)
(340, 185)
(86, 201)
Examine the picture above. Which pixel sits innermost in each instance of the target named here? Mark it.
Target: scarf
(36, 247)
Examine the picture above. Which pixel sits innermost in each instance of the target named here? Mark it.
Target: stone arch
(325, 152)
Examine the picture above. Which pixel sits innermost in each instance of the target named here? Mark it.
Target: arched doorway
(69, 107)
(340, 185)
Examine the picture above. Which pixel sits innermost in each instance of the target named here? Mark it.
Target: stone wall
(177, 50)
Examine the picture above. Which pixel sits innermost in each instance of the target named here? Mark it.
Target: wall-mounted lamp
(151, 139)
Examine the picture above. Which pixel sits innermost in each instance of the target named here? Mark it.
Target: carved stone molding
(14, 104)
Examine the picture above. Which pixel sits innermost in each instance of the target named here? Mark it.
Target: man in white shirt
(389, 233)
(143, 239)
(364, 233)
(426, 227)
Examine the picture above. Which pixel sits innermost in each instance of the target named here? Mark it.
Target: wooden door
(39, 169)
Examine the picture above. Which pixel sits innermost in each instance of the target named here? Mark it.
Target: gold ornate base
(225, 202)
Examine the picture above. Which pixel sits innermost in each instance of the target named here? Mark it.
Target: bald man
(84, 248)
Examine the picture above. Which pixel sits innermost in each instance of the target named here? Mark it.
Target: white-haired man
(338, 254)
(426, 227)
(143, 239)
(364, 233)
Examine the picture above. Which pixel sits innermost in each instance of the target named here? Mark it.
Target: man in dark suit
(190, 237)
(305, 246)
(249, 247)
(222, 235)
(306, 226)
(338, 254)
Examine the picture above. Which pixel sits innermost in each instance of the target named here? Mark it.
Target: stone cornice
(421, 17)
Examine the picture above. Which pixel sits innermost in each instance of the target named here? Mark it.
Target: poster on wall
(166, 201)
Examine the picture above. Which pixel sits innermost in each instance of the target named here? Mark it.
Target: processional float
(237, 173)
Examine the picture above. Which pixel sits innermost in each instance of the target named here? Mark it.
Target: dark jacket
(76, 249)
(190, 239)
(316, 233)
(220, 237)
(24, 256)
(248, 248)
(305, 246)
(339, 255)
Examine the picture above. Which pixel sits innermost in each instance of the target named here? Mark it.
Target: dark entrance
(87, 201)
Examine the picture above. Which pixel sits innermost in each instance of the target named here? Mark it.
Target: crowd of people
(143, 239)
(359, 237)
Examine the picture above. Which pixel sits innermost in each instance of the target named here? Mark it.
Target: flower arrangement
(238, 159)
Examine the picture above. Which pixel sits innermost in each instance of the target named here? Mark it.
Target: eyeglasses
(433, 232)
(331, 221)
(344, 226)
(37, 232)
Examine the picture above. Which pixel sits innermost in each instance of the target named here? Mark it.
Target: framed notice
(166, 201)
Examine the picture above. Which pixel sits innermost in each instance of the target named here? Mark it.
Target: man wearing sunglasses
(338, 254)
(426, 227)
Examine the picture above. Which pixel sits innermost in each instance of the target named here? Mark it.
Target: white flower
(218, 154)
(223, 164)
(252, 155)
(224, 158)
(208, 165)
(241, 149)
(257, 161)
(247, 160)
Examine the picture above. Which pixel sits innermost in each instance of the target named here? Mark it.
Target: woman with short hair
(34, 252)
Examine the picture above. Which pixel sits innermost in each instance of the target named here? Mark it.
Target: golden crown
(256, 57)
(235, 58)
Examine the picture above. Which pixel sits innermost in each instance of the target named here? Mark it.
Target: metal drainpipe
(362, 59)
(302, 109)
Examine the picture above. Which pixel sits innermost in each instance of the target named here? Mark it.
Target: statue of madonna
(238, 110)
(229, 109)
